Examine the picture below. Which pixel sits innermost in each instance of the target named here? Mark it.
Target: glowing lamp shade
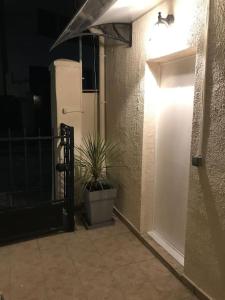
(161, 35)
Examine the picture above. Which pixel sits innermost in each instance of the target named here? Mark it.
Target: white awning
(111, 18)
(126, 11)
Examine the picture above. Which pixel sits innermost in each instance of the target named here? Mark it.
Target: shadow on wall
(124, 125)
(215, 226)
(217, 233)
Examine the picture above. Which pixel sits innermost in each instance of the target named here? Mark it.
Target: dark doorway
(39, 80)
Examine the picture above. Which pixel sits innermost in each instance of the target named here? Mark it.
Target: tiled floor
(106, 263)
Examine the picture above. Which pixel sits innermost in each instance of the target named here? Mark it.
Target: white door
(174, 127)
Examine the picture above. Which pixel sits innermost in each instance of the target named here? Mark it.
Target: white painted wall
(89, 113)
(70, 106)
(173, 146)
(102, 101)
(66, 80)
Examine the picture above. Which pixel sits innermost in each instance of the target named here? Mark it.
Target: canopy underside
(109, 18)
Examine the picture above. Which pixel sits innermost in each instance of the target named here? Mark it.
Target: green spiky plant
(92, 159)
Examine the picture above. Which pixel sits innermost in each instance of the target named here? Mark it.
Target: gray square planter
(99, 205)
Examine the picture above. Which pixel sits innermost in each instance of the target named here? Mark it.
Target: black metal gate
(36, 184)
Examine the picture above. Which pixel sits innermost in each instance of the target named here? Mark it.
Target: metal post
(53, 166)
(3, 46)
(71, 179)
(67, 142)
(40, 164)
(26, 161)
(11, 174)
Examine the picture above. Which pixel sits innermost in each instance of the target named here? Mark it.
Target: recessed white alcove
(171, 90)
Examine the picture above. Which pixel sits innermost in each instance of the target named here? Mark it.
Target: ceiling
(126, 11)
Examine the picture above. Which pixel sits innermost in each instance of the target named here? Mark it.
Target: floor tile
(5, 271)
(100, 284)
(102, 264)
(51, 242)
(150, 280)
(64, 285)
(113, 243)
(108, 231)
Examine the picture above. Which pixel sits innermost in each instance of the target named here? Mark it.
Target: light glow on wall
(131, 4)
(126, 11)
(151, 96)
(166, 40)
(158, 100)
(176, 98)
(162, 40)
(169, 84)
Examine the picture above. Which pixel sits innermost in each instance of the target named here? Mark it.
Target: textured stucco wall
(124, 115)
(129, 114)
(205, 238)
(124, 120)
(125, 80)
(130, 122)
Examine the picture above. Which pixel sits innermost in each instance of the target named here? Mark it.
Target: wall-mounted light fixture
(165, 21)
(161, 35)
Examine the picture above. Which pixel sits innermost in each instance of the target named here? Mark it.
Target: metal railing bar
(53, 165)
(35, 138)
(61, 201)
(40, 163)
(25, 161)
(71, 182)
(36, 190)
(37, 193)
(19, 139)
(11, 173)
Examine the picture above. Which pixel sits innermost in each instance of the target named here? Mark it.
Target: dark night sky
(28, 30)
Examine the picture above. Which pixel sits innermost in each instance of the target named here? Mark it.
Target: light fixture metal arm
(167, 21)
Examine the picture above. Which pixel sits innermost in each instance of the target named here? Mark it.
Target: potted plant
(92, 159)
